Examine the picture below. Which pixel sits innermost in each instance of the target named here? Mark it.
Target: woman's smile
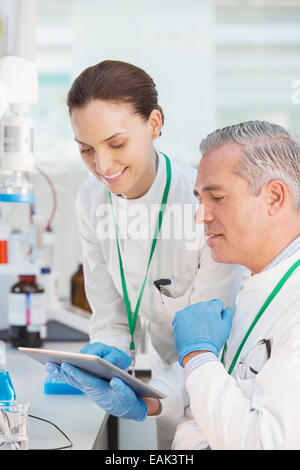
(115, 177)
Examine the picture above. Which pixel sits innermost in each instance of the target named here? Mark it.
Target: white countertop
(77, 416)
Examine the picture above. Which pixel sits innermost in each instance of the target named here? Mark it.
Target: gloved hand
(204, 326)
(111, 354)
(115, 396)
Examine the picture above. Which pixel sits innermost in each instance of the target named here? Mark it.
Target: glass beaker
(13, 425)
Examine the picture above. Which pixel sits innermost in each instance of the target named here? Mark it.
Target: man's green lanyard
(262, 310)
(132, 319)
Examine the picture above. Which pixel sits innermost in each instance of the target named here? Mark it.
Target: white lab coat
(194, 275)
(248, 410)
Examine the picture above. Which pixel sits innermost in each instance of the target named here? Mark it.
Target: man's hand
(204, 326)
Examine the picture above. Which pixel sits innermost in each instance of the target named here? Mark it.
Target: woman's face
(116, 145)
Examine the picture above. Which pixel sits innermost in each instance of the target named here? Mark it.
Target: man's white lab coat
(258, 406)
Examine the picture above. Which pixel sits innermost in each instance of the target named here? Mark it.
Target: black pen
(159, 284)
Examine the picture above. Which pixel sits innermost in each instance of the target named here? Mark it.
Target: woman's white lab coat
(194, 275)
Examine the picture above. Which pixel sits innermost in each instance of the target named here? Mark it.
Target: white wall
(172, 40)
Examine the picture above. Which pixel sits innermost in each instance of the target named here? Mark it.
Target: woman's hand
(113, 396)
(111, 354)
(153, 405)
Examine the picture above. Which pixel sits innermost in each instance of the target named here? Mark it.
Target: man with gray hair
(243, 372)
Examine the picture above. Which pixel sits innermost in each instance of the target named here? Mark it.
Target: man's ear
(276, 193)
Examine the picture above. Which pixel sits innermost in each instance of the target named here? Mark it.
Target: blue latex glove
(115, 396)
(113, 355)
(204, 326)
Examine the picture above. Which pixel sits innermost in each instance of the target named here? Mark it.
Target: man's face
(235, 221)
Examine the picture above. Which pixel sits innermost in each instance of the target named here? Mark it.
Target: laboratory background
(214, 62)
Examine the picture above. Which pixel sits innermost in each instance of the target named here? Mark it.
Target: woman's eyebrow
(114, 135)
(79, 142)
(105, 140)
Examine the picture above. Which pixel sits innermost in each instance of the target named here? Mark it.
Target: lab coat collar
(265, 278)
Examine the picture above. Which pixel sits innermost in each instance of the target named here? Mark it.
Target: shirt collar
(284, 254)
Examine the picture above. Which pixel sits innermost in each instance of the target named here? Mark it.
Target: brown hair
(115, 81)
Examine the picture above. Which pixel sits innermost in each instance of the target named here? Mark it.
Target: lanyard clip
(132, 357)
(132, 353)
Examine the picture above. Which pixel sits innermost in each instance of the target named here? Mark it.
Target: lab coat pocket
(255, 358)
(167, 306)
(247, 386)
(250, 365)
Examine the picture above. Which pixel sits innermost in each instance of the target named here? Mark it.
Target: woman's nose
(103, 163)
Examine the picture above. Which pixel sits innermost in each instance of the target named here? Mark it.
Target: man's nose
(199, 215)
(203, 214)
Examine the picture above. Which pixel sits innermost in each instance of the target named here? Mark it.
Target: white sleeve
(269, 420)
(189, 437)
(171, 383)
(213, 280)
(108, 323)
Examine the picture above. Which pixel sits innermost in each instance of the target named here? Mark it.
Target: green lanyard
(262, 310)
(133, 319)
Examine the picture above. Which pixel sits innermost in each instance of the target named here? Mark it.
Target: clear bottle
(7, 391)
(27, 313)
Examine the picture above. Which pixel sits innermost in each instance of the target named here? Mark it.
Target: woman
(116, 119)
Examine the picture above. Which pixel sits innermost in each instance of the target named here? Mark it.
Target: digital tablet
(93, 365)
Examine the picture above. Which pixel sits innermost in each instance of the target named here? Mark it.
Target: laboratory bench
(85, 424)
(78, 417)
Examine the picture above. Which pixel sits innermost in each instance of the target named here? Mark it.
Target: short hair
(269, 152)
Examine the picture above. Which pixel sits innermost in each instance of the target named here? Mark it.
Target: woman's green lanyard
(132, 319)
(262, 310)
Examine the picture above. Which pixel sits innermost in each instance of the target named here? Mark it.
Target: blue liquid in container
(7, 391)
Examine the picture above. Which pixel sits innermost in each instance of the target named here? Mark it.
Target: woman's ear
(155, 123)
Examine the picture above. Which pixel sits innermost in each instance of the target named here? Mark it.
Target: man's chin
(220, 257)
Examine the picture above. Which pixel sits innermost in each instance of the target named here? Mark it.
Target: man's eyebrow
(105, 140)
(212, 187)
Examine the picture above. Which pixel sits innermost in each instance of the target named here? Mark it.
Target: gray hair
(269, 152)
